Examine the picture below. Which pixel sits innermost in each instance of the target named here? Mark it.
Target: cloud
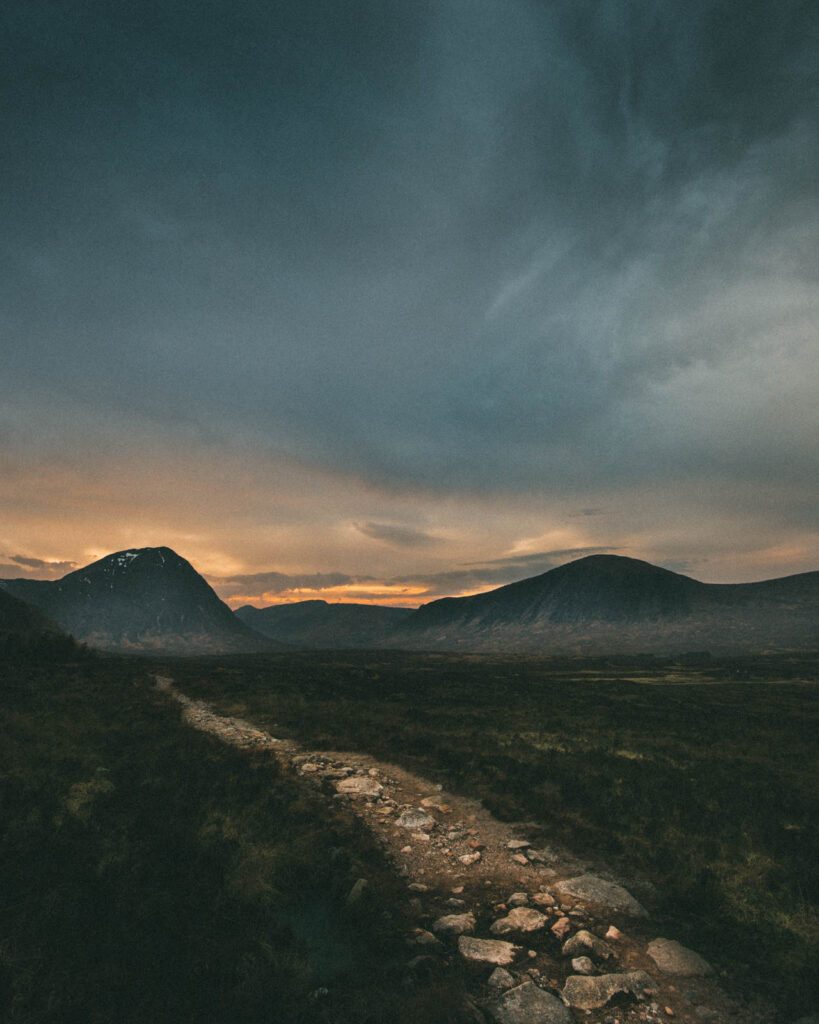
(549, 255)
(546, 558)
(280, 583)
(400, 536)
(36, 568)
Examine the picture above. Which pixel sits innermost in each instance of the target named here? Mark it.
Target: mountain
(27, 635)
(317, 624)
(147, 600)
(607, 603)
(21, 619)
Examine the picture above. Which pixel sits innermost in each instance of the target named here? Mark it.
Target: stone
(522, 919)
(421, 937)
(357, 891)
(418, 887)
(487, 951)
(436, 804)
(455, 924)
(415, 820)
(613, 933)
(309, 767)
(528, 1004)
(517, 844)
(584, 943)
(583, 965)
(419, 837)
(519, 858)
(675, 959)
(592, 993)
(543, 899)
(593, 889)
(561, 927)
(470, 858)
(359, 787)
(500, 980)
(518, 899)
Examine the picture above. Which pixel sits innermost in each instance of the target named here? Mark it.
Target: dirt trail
(458, 860)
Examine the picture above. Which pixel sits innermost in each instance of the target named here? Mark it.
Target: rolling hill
(319, 625)
(608, 604)
(145, 600)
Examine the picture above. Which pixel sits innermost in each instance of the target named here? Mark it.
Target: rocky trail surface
(543, 938)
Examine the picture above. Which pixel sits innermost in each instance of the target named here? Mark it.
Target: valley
(358, 833)
(697, 789)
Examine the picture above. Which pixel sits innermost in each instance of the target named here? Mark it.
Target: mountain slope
(143, 600)
(319, 625)
(608, 603)
(21, 619)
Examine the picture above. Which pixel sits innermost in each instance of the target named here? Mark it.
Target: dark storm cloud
(464, 246)
(280, 583)
(547, 559)
(400, 536)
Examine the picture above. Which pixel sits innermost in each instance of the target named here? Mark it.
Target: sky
(385, 300)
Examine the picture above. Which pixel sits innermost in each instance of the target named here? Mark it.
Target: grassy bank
(150, 873)
(705, 787)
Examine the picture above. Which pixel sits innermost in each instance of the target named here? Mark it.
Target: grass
(699, 779)
(149, 873)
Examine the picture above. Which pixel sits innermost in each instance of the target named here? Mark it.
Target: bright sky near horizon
(392, 299)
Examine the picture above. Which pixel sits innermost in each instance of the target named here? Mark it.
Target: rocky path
(545, 940)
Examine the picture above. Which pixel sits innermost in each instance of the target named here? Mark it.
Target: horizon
(404, 301)
(301, 595)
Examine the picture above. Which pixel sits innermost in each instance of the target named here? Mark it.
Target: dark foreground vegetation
(700, 777)
(150, 873)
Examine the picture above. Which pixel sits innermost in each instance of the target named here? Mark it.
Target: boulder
(561, 927)
(359, 787)
(415, 820)
(584, 943)
(487, 951)
(522, 920)
(455, 924)
(673, 958)
(593, 889)
(592, 993)
(528, 1004)
(500, 980)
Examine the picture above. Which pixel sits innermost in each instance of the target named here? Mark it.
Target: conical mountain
(142, 600)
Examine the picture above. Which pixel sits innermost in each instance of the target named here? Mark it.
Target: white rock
(359, 787)
(607, 894)
(522, 919)
(675, 959)
(455, 924)
(487, 951)
(415, 820)
(528, 1004)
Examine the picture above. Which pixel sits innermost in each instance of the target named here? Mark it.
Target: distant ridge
(319, 625)
(143, 600)
(608, 603)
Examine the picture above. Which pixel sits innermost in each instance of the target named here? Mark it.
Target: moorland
(698, 778)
